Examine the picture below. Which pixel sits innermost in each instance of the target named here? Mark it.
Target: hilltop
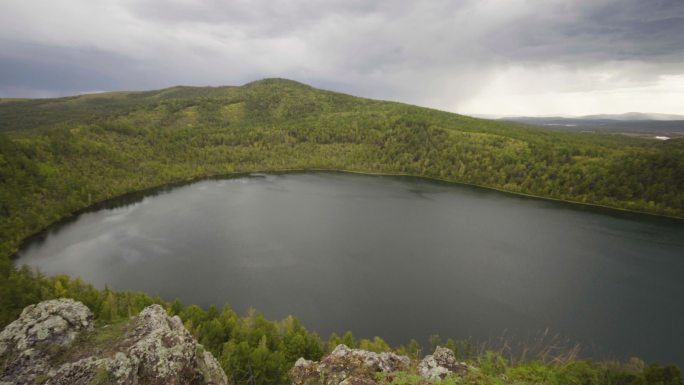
(22, 114)
(61, 155)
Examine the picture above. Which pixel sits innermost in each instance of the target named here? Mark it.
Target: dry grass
(545, 347)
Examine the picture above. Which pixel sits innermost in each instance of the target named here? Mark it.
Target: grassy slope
(61, 155)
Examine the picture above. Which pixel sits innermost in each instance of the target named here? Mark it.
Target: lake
(396, 257)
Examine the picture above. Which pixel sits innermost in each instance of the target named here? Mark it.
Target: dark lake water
(396, 257)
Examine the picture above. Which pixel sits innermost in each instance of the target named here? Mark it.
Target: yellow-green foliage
(101, 341)
(59, 156)
(248, 347)
(252, 349)
(536, 373)
(103, 377)
(62, 155)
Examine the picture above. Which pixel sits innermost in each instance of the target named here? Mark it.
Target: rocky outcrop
(345, 366)
(441, 364)
(24, 343)
(54, 342)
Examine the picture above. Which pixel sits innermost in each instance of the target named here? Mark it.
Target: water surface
(396, 257)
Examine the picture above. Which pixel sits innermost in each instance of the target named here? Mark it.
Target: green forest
(59, 156)
(254, 350)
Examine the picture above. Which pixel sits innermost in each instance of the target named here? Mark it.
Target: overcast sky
(499, 57)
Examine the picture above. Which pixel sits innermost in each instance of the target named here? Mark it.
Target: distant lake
(390, 256)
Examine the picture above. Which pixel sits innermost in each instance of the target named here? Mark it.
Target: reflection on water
(396, 257)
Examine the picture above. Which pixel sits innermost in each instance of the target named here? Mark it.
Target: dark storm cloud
(548, 31)
(599, 31)
(36, 70)
(437, 53)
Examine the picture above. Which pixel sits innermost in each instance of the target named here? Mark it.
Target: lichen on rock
(57, 322)
(152, 348)
(440, 364)
(345, 366)
(25, 344)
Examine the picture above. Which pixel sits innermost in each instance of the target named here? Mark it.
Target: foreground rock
(441, 364)
(54, 342)
(24, 342)
(346, 366)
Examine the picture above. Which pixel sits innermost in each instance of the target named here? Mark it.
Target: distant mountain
(634, 116)
(628, 116)
(637, 123)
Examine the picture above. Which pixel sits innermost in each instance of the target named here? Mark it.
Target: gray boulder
(345, 366)
(440, 364)
(26, 343)
(54, 342)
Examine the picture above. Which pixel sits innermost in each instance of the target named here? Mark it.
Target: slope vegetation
(61, 155)
(58, 156)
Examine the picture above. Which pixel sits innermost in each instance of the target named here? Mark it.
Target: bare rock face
(441, 364)
(24, 343)
(54, 343)
(346, 366)
(57, 321)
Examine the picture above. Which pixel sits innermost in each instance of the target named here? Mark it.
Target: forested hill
(60, 155)
(21, 114)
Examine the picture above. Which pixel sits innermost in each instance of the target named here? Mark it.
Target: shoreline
(98, 204)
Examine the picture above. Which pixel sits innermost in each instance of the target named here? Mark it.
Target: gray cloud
(444, 54)
(259, 18)
(62, 70)
(586, 32)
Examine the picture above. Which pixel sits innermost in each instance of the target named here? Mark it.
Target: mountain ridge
(640, 124)
(622, 116)
(69, 153)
